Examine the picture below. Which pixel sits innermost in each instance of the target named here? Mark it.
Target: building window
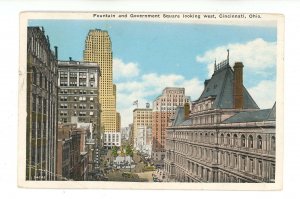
(259, 142)
(235, 161)
(273, 170)
(260, 167)
(235, 140)
(251, 165)
(250, 141)
(228, 139)
(222, 138)
(273, 143)
(243, 141)
(243, 163)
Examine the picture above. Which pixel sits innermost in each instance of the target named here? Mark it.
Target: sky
(149, 56)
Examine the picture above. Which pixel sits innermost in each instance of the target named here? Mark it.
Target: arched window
(273, 143)
(250, 141)
(235, 140)
(200, 137)
(228, 139)
(212, 138)
(243, 141)
(206, 137)
(259, 142)
(222, 138)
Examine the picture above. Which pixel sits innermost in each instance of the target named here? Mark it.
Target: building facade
(164, 107)
(79, 94)
(118, 122)
(75, 152)
(41, 130)
(142, 117)
(98, 49)
(144, 140)
(225, 138)
(111, 139)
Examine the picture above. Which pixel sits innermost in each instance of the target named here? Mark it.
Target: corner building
(164, 107)
(41, 105)
(225, 138)
(98, 49)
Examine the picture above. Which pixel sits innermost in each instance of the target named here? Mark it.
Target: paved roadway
(147, 175)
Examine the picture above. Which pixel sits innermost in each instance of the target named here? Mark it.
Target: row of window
(65, 98)
(227, 139)
(75, 91)
(242, 163)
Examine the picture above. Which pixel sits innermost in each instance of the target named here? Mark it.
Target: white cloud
(256, 55)
(147, 87)
(124, 70)
(264, 93)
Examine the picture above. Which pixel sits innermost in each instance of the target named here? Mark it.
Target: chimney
(70, 58)
(55, 47)
(238, 99)
(186, 110)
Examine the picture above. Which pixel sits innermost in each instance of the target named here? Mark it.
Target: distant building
(125, 132)
(164, 107)
(144, 140)
(225, 138)
(75, 153)
(78, 94)
(112, 139)
(41, 129)
(142, 117)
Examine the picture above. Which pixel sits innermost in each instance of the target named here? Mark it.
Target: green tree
(129, 152)
(114, 151)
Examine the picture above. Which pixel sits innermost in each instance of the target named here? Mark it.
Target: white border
(9, 38)
(266, 18)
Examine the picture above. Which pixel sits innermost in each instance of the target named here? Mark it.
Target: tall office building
(78, 95)
(98, 49)
(142, 118)
(41, 130)
(164, 107)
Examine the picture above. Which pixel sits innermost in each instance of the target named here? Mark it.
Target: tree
(129, 152)
(114, 151)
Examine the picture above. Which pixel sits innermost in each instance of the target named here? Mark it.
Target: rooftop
(253, 116)
(77, 64)
(220, 87)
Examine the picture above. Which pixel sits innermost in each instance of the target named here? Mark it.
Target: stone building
(225, 137)
(164, 107)
(78, 94)
(41, 105)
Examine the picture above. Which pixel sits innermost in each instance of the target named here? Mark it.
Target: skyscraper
(98, 49)
(164, 107)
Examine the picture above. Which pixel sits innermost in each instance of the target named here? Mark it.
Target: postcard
(151, 100)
